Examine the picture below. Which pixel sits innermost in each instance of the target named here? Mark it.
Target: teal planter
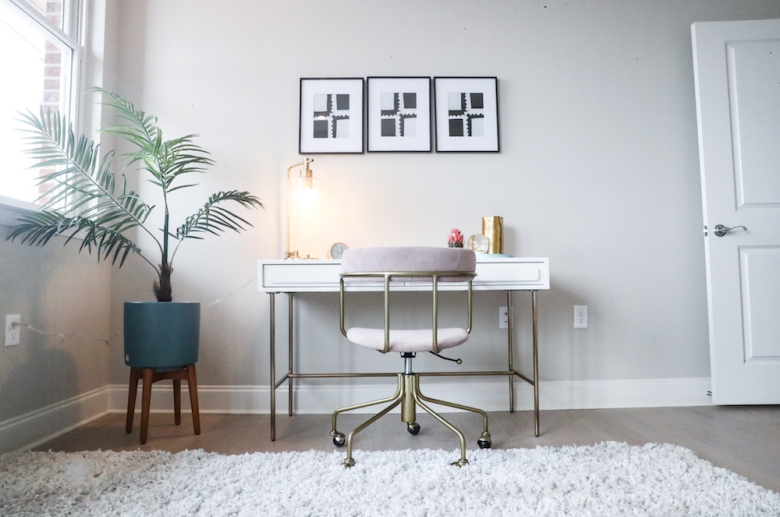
(161, 335)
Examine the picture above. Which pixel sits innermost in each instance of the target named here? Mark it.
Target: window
(40, 62)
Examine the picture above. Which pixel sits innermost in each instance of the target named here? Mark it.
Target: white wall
(598, 168)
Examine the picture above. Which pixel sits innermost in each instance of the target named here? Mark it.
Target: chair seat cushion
(409, 259)
(407, 340)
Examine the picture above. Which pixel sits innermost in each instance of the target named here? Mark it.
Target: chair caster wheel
(413, 428)
(484, 441)
(338, 439)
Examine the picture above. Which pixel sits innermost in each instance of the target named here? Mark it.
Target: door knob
(721, 230)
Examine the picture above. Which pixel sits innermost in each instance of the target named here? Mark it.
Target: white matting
(606, 479)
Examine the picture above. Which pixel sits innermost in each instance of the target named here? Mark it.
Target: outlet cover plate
(503, 318)
(580, 316)
(12, 333)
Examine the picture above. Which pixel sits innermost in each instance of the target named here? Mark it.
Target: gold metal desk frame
(293, 276)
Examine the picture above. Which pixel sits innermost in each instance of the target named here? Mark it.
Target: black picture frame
(331, 115)
(398, 115)
(466, 114)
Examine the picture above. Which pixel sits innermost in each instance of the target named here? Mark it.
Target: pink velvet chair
(410, 264)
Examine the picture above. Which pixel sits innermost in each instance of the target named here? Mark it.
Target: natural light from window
(38, 65)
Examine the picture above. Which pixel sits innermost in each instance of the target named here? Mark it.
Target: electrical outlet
(12, 332)
(580, 316)
(503, 318)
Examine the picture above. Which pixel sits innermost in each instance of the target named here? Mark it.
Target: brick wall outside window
(52, 77)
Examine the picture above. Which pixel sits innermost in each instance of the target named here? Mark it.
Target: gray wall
(57, 290)
(598, 168)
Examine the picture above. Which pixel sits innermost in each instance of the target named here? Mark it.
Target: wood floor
(745, 440)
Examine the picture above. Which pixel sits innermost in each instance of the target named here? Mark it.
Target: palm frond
(165, 160)
(140, 129)
(38, 228)
(81, 185)
(215, 219)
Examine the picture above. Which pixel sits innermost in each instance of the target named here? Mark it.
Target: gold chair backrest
(417, 276)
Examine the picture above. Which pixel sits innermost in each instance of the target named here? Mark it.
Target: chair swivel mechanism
(408, 265)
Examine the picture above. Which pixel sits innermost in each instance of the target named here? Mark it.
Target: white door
(737, 74)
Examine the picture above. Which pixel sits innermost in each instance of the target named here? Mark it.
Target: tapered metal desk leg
(534, 316)
(272, 342)
(290, 355)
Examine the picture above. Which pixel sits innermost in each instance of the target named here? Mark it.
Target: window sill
(11, 209)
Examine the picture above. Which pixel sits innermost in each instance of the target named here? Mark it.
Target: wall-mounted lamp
(302, 198)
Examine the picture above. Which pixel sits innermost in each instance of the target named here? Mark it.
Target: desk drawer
(521, 274)
(322, 276)
(301, 276)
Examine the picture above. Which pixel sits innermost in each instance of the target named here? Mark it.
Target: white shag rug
(603, 480)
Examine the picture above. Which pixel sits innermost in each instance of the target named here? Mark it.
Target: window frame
(73, 35)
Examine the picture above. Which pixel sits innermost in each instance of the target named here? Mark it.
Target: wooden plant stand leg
(177, 401)
(146, 399)
(149, 377)
(192, 384)
(131, 394)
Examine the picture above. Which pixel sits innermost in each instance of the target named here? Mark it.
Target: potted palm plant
(84, 198)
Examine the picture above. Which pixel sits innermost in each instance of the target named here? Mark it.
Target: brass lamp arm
(306, 173)
(306, 169)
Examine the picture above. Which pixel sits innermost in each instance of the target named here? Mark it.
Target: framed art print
(331, 116)
(466, 114)
(399, 114)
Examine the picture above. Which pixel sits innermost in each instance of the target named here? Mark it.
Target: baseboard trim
(489, 395)
(32, 429)
(36, 427)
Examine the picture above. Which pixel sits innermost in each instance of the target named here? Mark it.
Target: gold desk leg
(272, 325)
(290, 355)
(510, 347)
(535, 317)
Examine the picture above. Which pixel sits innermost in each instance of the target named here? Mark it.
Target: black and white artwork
(331, 116)
(466, 114)
(399, 114)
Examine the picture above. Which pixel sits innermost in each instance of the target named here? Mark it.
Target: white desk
(322, 276)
